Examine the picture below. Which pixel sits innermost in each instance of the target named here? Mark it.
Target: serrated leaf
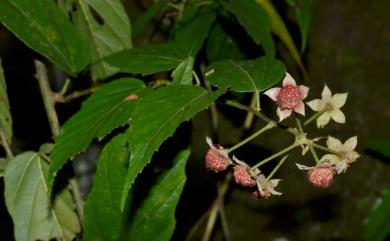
(155, 218)
(378, 225)
(256, 22)
(45, 29)
(29, 206)
(142, 21)
(106, 26)
(147, 60)
(183, 73)
(192, 34)
(171, 106)
(280, 29)
(246, 75)
(218, 42)
(107, 109)
(102, 210)
(381, 146)
(5, 114)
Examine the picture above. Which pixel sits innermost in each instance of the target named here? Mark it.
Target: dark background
(348, 49)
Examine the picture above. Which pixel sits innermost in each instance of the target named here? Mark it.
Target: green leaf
(107, 109)
(155, 218)
(142, 21)
(3, 165)
(381, 146)
(303, 11)
(192, 34)
(28, 204)
(171, 106)
(45, 29)
(218, 42)
(378, 227)
(147, 60)
(5, 114)
(104, 23)
(183, 73)
(246, 75)
(256, 22)
(102, 210)
(280, 29)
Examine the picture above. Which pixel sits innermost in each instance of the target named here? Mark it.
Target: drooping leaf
(5, 114)
(102, 210)
(192, 34)
(29, 206)
(171, 106)
(378, 227)
(155, 218)
(256, 22)
(3, 165)
(246, 75)
(303, 11)
(46, 29)
(142, 21)
(280, 29)
(108, 108)
(218, 42)
(183, 73)
(147, 60)
(381, 146)
(104, 23)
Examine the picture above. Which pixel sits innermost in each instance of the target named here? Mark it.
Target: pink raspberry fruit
(215, 161)
(321, 176)
(242, 176)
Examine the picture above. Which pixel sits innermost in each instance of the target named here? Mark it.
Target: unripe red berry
(242, 176)
(289, 97)
(321, 176)
(215, 161)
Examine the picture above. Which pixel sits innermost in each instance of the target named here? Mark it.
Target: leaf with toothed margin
(155, 217)
(33, 215)
(246, 75)
(156, 118)
(108, 108)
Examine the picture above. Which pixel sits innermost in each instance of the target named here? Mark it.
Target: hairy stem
(49, 103)
(277, 167)
(312, 118)
(251, 137)
(259, 114)
(7, 148)
(250, 115)
(285, 150)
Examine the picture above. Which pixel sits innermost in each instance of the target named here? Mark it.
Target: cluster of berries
(290, 99)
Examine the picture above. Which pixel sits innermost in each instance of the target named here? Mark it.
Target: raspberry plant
(139, 96)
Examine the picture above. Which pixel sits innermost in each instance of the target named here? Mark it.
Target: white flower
(329, 106)
(267, 187)
(346, 154)
(289, 97)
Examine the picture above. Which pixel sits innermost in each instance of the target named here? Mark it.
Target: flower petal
(274, 192)
(338, 116)
(209, 142)
(323, 120)
(315, 104)
(274, 182)
(341, 167)
(303, 167)
(338, 100)
(240, 162)
(331, 158)
(283, 114)
(273, 93)
(352, 156)
(334, 144)
(300, 108)
(326, 93)
(304, 91)
(288, 80)
(351, 143)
